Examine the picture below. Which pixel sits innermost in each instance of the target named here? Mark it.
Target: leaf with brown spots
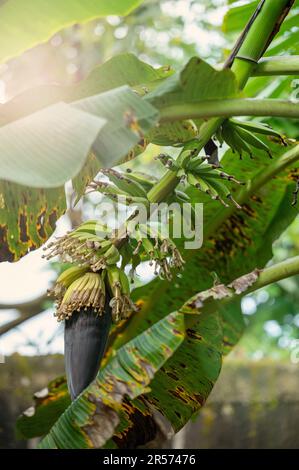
(242, 241)
(93, 416)
(27, 218)
(240, 244)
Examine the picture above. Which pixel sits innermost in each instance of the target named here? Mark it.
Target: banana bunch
(167, 161)
(89, 245)
(65, 279)
(118, 285)
(150, 242)
(242, 136)
(88, 290)
(124, 187)
(77, 289)
(207, 178)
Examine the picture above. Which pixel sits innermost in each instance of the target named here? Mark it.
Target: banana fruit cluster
(88, 290)
(148, 242)
(128, 187)
(94, 251)
(124, 187)
(205, 177)
(119, 287)
(243, 136)
(210, 180)
(95, 274)
(89, 245)
(77, 290)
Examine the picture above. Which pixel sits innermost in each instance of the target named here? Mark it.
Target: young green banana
(124, 183)
(257, 128)
(252, 140)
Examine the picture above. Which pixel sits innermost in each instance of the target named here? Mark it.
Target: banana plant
(164, 350)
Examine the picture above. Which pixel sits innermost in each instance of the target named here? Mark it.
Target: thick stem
(275, 273)
(163, 188)
(233, 107)
(261, 32)
(270, 66)
(266, 276)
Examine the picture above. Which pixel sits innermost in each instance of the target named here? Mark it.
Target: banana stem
(270, 66)
(226, 108)
(275, 273)
(266, 276)
(267, 21)
(163, 188)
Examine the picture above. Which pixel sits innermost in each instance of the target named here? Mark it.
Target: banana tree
(145, 359)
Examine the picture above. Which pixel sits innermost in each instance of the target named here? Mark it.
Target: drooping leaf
(186, 380)
(124, 69)
(26, 24)
(128, 119)
(199, 358)
(48, 147)
(190, 374)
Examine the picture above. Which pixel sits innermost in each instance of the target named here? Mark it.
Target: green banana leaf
(47, 148)
(197, 81)
(122, 69)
